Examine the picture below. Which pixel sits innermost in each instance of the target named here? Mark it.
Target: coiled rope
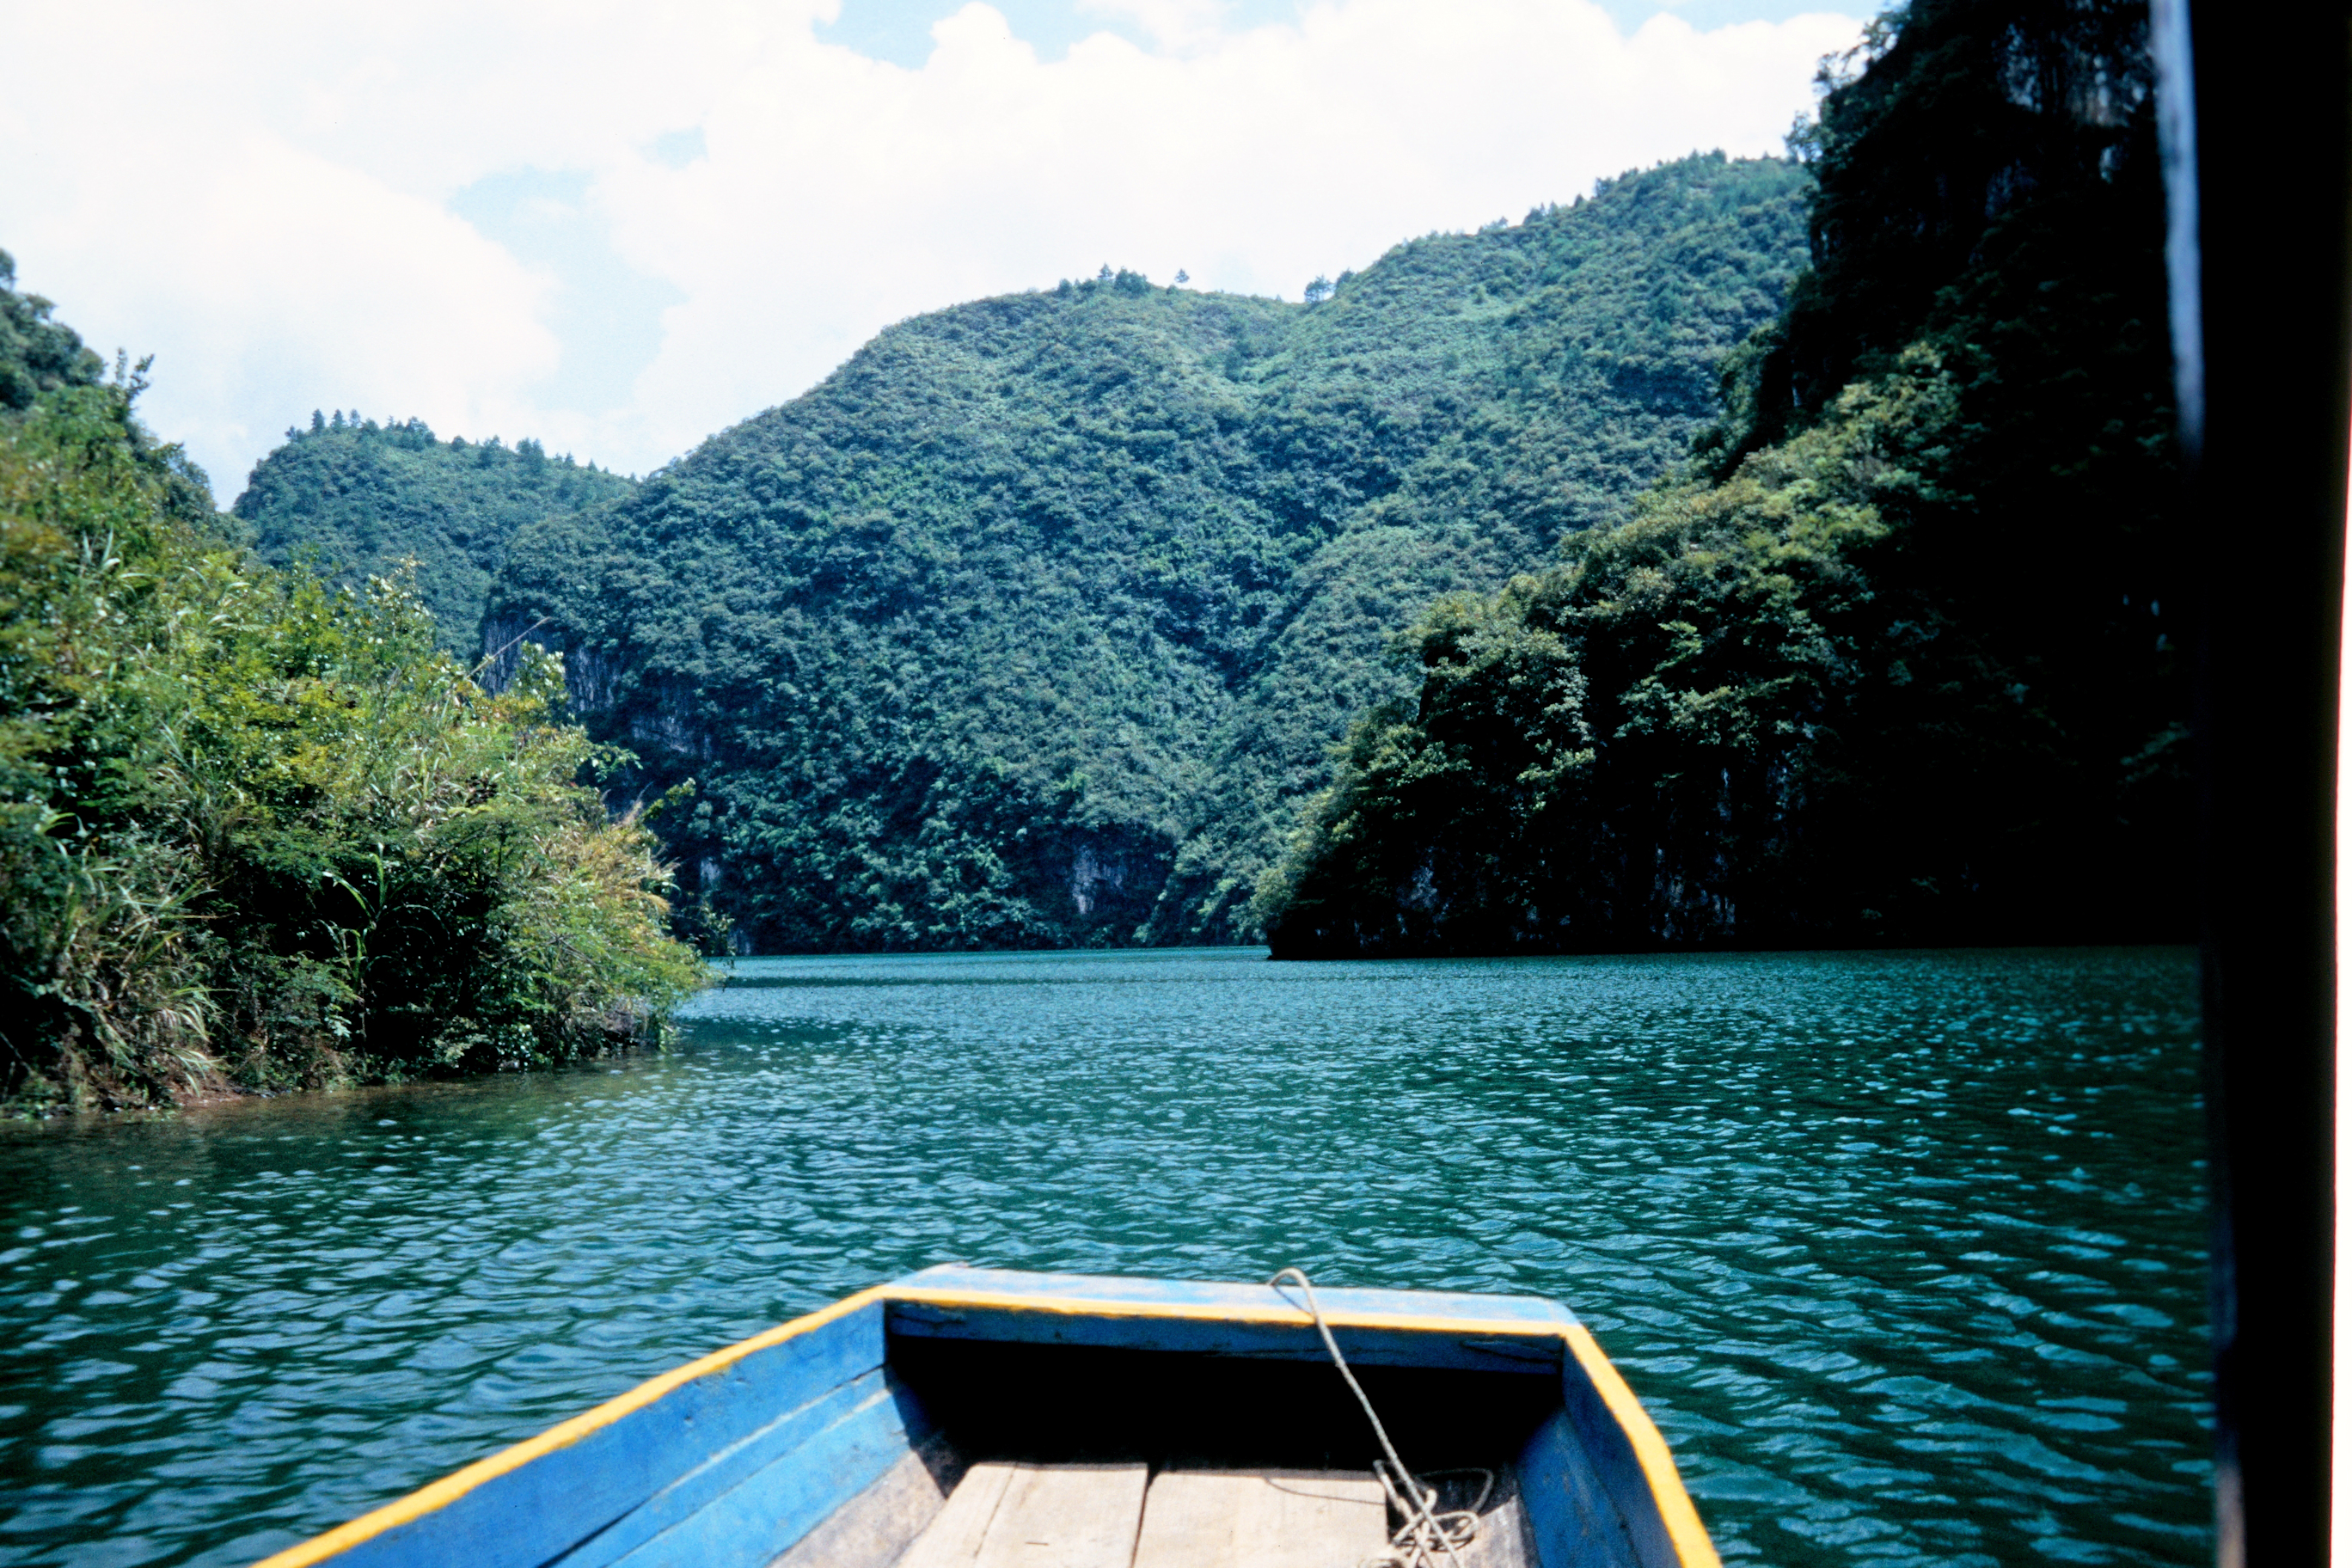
(1425, 1531)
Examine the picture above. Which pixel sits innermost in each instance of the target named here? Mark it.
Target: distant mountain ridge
(366, 499)
(1033, 624)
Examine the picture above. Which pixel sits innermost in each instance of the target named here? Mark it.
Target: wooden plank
(874, 1529)
(1262, 1519)
(1340, 1303)
(1570, 1514)
(952, 1540)
(1375, 1328)
(1535, 1353)
(748, 1526)
(1191, 1518)
(1630, 1456)
(1504, 1540)
(1068, 1516)
(686, 1436)
(743, 1463)
(1010, 1515)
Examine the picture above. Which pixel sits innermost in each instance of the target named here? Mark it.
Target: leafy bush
(259, 830)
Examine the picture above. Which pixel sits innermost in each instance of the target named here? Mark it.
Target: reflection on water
(1905, 1251)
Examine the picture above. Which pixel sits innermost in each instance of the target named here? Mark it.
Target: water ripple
(1904, 1251)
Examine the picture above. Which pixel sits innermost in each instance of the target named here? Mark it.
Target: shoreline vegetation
(260, 832)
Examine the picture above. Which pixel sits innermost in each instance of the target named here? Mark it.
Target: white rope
(1425, 1531)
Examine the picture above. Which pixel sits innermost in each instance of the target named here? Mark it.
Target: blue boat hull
(831, 1442)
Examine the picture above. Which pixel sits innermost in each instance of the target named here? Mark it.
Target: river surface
(1905, 1251)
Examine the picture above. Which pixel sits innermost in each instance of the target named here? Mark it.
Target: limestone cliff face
(1435, 909)
(1091, 873)
(660, 728)
(653, 721)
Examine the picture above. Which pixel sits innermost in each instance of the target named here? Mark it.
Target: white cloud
(1170, 24)
(261, 194)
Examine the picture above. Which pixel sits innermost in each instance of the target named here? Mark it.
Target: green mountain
(367, 499)
(1898, 659)
(1032, 624)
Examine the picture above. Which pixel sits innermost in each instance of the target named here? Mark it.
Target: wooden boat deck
(1007, 1513)
(978, 1419)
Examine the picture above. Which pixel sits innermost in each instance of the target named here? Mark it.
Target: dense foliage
(360, 499)
(36, 354)
(1033, 624)
(255, 829)
(1891, 661)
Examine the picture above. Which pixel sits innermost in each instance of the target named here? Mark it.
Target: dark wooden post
(2259, 123)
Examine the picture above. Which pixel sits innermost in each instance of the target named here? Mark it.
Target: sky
(620, 228)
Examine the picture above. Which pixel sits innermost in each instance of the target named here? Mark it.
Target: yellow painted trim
(450, 1487)
(1690, 1539)
(1207, 1312)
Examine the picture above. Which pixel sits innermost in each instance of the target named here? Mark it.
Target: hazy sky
(621, 227)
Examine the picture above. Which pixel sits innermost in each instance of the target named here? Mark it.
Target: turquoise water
(1904, 1251)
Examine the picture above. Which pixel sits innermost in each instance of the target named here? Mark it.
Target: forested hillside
(1033, 624)
(364, 498)
(1897, 659)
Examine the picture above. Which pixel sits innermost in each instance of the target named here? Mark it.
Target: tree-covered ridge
(1028, 626)
(1887, 665)
(365, 499)
(37, 354)
(257, 830)
(1601, 345)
